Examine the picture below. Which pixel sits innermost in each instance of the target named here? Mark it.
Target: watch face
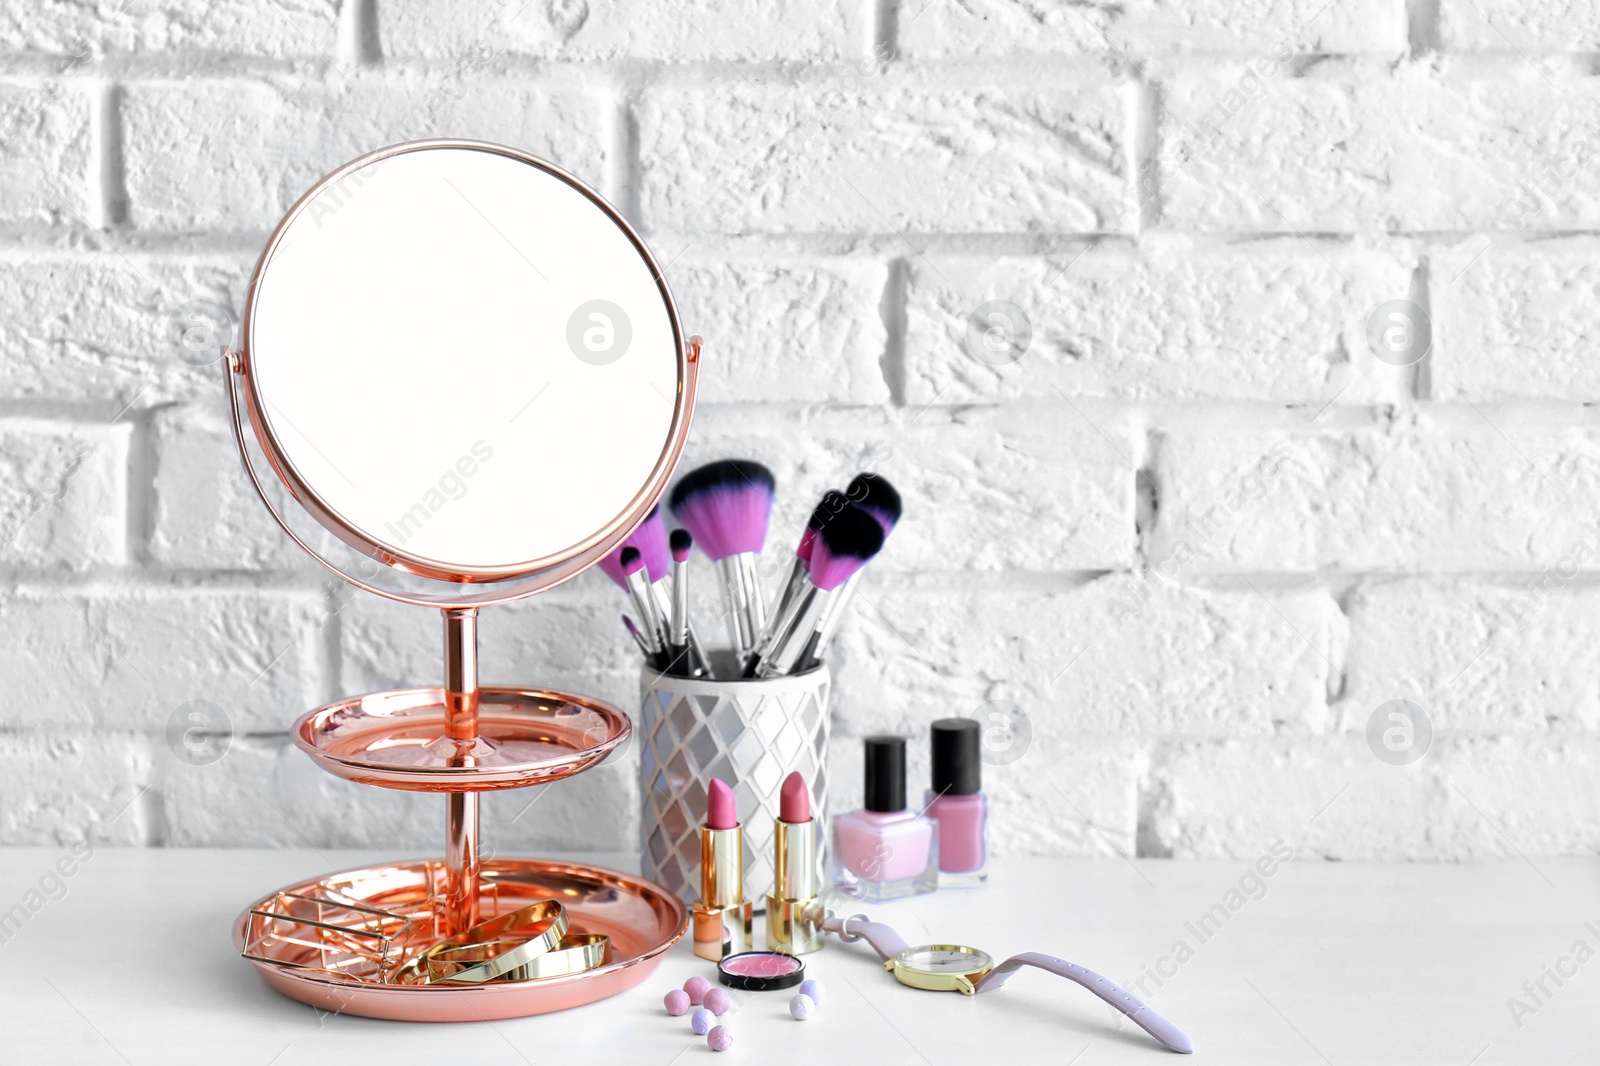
(942, 959)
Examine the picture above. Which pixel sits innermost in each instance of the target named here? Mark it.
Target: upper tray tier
(397, 739)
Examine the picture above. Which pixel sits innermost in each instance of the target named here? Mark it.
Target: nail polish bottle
(885, 851)
(956, 801)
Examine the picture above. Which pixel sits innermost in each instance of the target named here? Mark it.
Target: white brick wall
(1197, 532)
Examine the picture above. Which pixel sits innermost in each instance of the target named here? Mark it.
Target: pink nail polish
(956, 801)
(885, 851)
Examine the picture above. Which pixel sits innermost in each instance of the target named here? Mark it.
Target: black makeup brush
(726, 506)
(842, 546)
(832, 503)
(794, 582)
(874, 495)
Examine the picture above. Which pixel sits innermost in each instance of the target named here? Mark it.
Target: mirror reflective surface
(463, 359)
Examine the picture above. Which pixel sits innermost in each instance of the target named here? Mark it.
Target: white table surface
(1334, 963)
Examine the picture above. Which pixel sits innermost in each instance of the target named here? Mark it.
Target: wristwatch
(957, 968)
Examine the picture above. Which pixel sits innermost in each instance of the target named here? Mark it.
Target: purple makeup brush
(637, 582)
(874, 495)
(794, 582)
(678, 627)
(833, 501)
(726, 506)
(684, 653)
(843, 545)
(650, 537)
(638, 638)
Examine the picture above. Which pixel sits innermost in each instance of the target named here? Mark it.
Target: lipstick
(794, 913)
(722, 916)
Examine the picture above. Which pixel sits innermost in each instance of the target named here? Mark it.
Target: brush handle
(794, 633)
(682, 652)
(817, 646)
(794, 585)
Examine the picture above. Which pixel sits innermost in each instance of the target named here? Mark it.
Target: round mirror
(463, 362)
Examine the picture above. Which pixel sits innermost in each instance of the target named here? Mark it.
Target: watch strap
(1139, 1013)
(885, 941)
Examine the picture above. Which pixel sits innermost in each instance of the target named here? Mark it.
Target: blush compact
(761, 971)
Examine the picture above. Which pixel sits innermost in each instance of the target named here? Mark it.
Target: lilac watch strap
(885, 941)
(1114, 994)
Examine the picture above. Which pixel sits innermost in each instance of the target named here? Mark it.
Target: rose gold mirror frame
(542, 573)
(460, 609)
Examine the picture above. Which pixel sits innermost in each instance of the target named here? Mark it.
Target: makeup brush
(832, 502)
(726, 506)
(637, 582)
(842, 546)
(638, 638)
(684, 651)
(874, 495)
(651, 539)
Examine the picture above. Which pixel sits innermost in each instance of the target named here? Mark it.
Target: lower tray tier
(642, 919)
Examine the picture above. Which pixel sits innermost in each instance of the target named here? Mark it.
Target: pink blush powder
(761, 964)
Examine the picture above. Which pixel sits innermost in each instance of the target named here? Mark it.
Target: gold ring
(498, 946)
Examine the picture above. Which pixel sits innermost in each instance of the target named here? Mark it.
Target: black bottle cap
(957, 757)
(886, 773)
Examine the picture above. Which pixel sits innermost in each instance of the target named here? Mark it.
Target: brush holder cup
(751, 734)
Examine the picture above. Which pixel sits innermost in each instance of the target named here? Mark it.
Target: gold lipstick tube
(794, 912)
(722, 916)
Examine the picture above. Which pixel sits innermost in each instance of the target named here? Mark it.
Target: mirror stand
(398, 310)
(461, 727)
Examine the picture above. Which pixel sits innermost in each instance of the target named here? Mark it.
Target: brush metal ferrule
(644, 604)
(723, 918)
(794, 632)
(794, 582)
(667, 607)
(794, 911)
(678, 627)
(741, 589)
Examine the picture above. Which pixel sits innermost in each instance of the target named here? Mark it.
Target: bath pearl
(697, 987)
(801, 1006)
(677, 1002)
(719, 1038)
(717, 1001)
(810, 987)
(701, 1021)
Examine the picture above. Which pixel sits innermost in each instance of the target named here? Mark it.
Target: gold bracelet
(498, 946)
(576, 953)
